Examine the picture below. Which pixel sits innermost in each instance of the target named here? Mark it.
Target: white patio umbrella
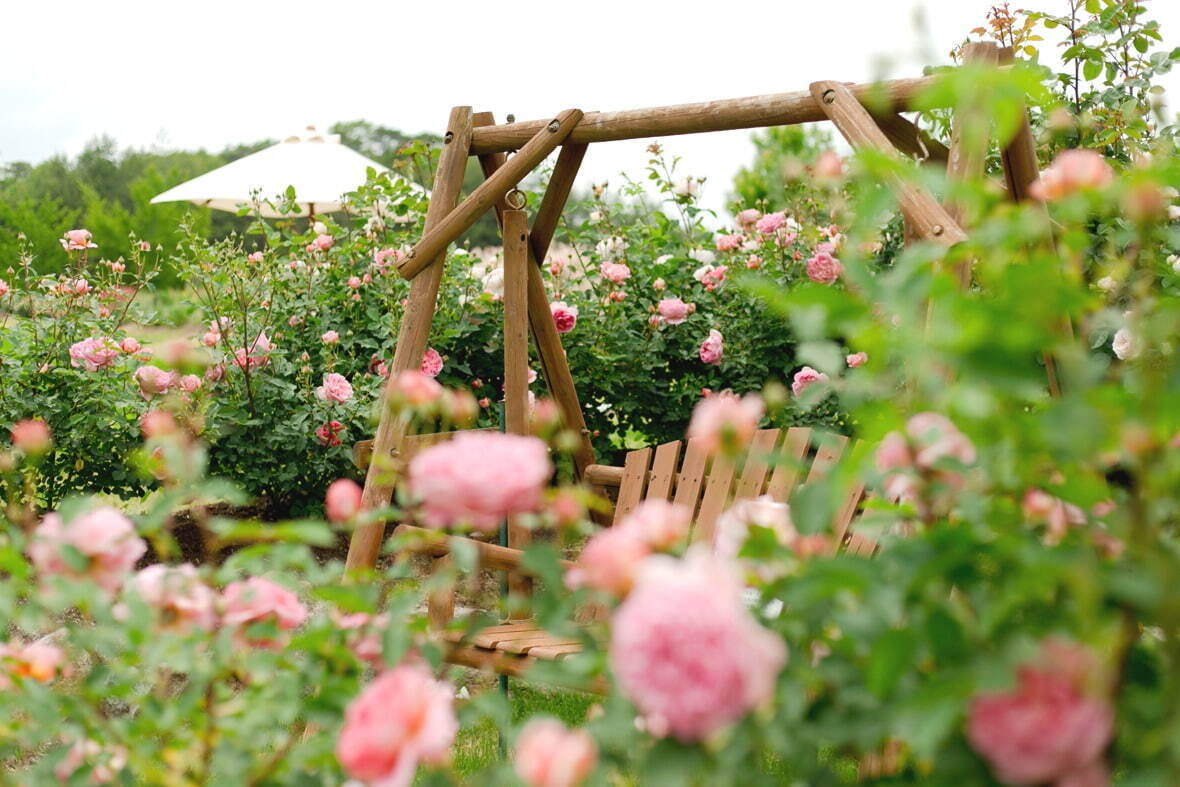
(317, 165)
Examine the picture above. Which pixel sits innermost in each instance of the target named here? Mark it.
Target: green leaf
(1091, 70)
(892, 655)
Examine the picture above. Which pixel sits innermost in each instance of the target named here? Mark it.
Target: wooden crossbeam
(436, 239)
(413, 334)
(911, 140)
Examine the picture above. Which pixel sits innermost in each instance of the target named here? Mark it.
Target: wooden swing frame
(867, 115)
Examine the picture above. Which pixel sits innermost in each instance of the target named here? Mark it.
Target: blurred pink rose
(77, 240)
(330, 337)
(103, 764)
(415, 389)
(550, 755)
(145, 246)
(1072, 171)
(343, 500)
(153, 380)
(479, 478)
(1049, 728)
(770, 223)
(432, 362)
(257, 354)
(725, 422)
(936, 439)
(673, 310)
(686, 651)
(94, 353)
(754, 262)
(129, 345)
(355, 282)
(565, 317)
(856, 359)
(616, 272)
(805, 378)
(104, 537)
(828, 166)
(254, 257)
(178, 594)
(258, 600)
(729, 242)
(38, 660)
(609, 561)
(4, 288)
(748, 218)
(323, 242)
(336, 388)
(733, 526)
(157, 423)
(712, 348)
(1043, 508)
(31, 436)
(403, 718)
(823, 268)
(659, 524)
(659, 285)
(189, 383)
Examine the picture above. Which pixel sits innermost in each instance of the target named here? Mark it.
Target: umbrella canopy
(317, 165)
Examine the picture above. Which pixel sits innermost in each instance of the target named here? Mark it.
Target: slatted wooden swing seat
(868, 116)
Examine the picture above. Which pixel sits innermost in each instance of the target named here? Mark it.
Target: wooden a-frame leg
(969, 133)
(911, 140)
(411, 341)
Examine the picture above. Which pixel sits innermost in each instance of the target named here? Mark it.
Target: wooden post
(411, 341)
(969, 132)
(516, 357)
(1019, 156)
(930, 220)
(561, 182)
(911, 140)
(436, 239)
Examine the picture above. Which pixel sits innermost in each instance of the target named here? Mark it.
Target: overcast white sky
(211, 73)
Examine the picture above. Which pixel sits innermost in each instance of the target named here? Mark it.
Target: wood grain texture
(413, 334)
(789, 463)
(663, 471)
(634, 482)
(911, 140)
(969, 134)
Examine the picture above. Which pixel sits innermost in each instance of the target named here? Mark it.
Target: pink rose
(565, 317)
(257, 354)
(364, 637)
(659, 285)
(77, 240)
(480, 478)
(414, 389)
(1071, 171)
(153, 380)
(823, 268)
(432, 362)
(686, 651)
(936, 439)
(748, 218)
(1048, 728)
(178, 595)
(329, 434)
(550, 755)
(94, 353)
(211, 338)
(343, 500)
(733, 526)
(336, 388)
(856, 359)
(616, 272)
(37, 660)
(4, 288)
(929, 442)
(609, 561)
(215, 372)
(145, 246)
(828, 166)
(189, 383)
(401, 719)
(330, 337)
(31, 436)
(157, 423)
(355, 282)
(729, 242)
(258, 600)
(659, 524)
(384, 258)
(770, 223)
(323, 242)
(1041, 507)
(255, 257)
(104, 537)
(712, 348)
(804, 378)
(673, 310)
(754, 262)
(129, 345)
(725, 422)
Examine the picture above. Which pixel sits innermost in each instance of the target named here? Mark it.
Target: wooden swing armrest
(604, 475)
(491, 556)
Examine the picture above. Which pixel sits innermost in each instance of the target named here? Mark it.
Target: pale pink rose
(729, 242)
(94, 353)
(255, 257)
(215, 373)
(105, 537)
(936, 439)
(258, 600)
(31, 436)
(609, 561)
(930, 441)
(856, 359)
(823, 268)
(38, 660)
(415, 389)
(550, 755)
(76, 287)
(659, 524)
(432, 362)
(129, 345)
(355, 282)
(1041, 507)
(102, 764)
(1049, 728)
(403, 718)
(343, 500)
(754, 262)
(725, 422)
(770, 223)
(384, 258)
(336, 388)
(211, 338)
(145, 246)
(77, 240)
(616, 272)
(153, 380)
(177, 593)
(828, 166)
(367, 278)
(616, 296)
(748, 218)
(1071, 171)
(659, 285)
(323, 242)
(257, 354)
(805, 378)
(893, 453)
(118, 267)
(686, 651)
(330, 337)
(4, 288)
(712, 348)
(189, 383)
(733, 526)
(480, 478)
(157, 423)
(673, 310)
(565, 317)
